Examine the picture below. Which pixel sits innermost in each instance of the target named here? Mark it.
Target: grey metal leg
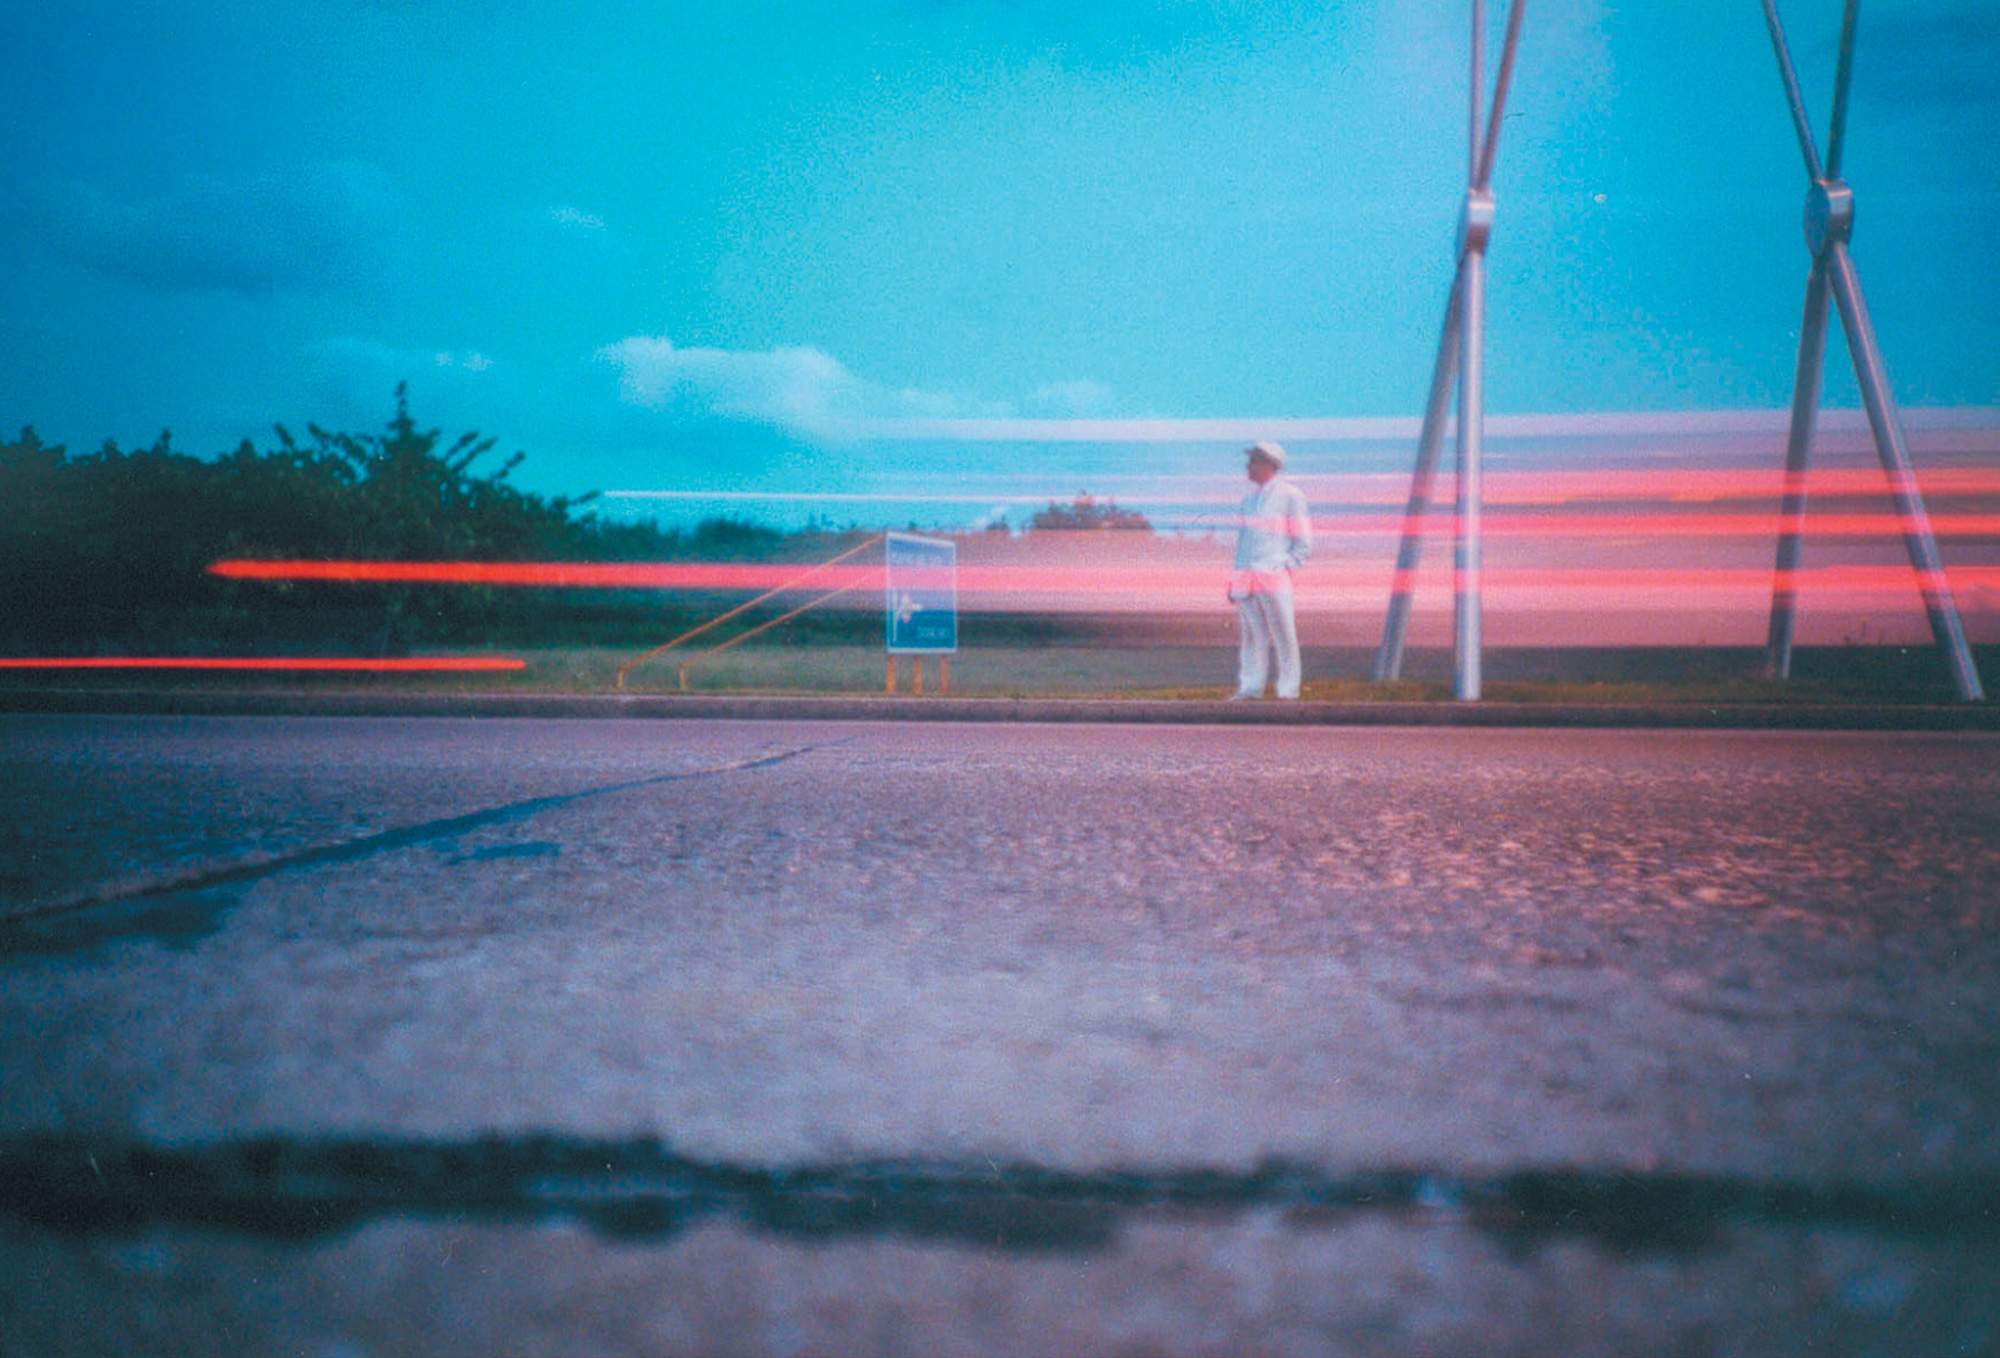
(1829, 224)
(1890, 446)
(1465, 646)
(1389, 659)
(1791, 518)
(1461, 355)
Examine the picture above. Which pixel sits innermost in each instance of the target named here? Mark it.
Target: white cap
(1271, 452)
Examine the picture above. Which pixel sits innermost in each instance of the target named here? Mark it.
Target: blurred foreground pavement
(355, 1037)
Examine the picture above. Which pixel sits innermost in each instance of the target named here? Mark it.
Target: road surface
(355, 1037)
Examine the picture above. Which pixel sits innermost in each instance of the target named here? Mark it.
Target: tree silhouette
(109, 551)
(1088, 513)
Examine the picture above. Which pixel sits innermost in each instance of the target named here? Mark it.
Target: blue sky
(697, 247)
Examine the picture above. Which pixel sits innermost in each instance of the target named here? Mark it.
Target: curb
(1143, 711)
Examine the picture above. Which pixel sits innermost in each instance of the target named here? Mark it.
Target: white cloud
(1073, 400)
(571, 218)
(350, 382)
(796, 388)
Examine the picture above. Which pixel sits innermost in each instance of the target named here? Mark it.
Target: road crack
(178, 909)
(305, 1189)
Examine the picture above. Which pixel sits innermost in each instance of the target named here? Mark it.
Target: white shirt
(1275, 530)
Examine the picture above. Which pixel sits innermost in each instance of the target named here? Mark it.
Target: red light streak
(1684, 526)
(760, 576)
(1576, 541)
(360, 664)
(688, 575)
(540, 574)
(1681, 485)
(1832, 579)
(1095, 579)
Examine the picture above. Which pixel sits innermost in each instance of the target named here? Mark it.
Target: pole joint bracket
(1475, 223)
(1829, 215)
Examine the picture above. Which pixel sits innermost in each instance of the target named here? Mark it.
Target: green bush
(110, 551)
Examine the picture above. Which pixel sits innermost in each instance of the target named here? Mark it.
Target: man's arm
(1298, 529)
(1240, 559)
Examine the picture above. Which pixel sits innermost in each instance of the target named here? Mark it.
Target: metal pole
(1478, 74)
(1460, 354)
(1887, 426)
(1389, 659)
(1474, 228)
(1800, 123)
(1482, 168)
(1806, 378)
(1465, 574)
(1829, 223)
(1843, 73)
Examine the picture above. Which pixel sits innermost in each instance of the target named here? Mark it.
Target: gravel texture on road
(921, 1038)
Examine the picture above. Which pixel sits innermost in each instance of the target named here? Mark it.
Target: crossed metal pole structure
(1461, 354)
(1829, 221)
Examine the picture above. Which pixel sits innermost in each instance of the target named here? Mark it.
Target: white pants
(1265, 623)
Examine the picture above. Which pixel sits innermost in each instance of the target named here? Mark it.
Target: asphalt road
(352, 1037)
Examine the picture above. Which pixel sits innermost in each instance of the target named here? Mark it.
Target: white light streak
(1246, 429)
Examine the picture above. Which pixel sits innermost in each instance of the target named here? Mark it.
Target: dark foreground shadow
(305, 1190)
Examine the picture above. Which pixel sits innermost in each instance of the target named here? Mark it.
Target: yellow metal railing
(743, 608)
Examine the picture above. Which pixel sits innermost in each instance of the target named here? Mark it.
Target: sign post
(920, 603)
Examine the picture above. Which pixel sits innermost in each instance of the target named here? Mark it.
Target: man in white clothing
(1273, 539)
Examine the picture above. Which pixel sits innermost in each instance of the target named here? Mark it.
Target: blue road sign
(921, 600)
